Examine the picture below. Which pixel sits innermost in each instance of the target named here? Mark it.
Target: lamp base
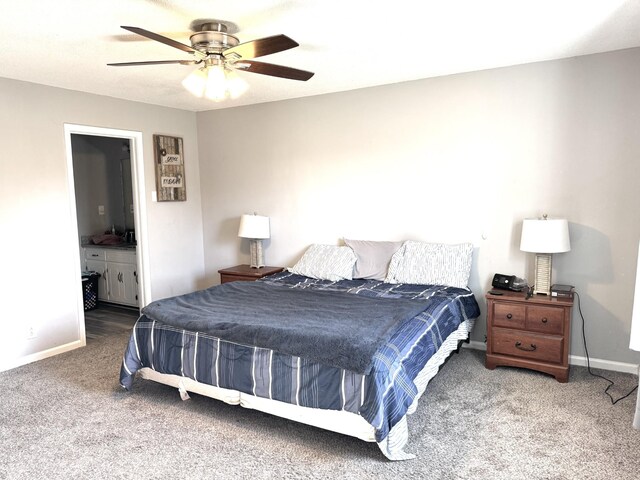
(543, 274)
(255, 249)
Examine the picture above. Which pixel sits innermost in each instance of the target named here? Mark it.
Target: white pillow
(431, 264)
(326, 262)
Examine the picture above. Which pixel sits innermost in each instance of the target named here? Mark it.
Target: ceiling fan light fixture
(196, 82)
(216, 83)
(236, 86)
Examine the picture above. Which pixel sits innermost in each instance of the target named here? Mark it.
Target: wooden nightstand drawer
(508, 315)
(545, 319)
(545, 348)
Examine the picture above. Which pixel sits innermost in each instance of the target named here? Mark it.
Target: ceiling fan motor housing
(213, 38)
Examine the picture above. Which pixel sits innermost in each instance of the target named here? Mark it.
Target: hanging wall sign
(169, 163)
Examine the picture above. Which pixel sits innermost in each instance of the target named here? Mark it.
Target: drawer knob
(509, 316)
(544, 320)
(532, 348)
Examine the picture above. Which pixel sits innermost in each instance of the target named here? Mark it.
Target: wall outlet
(131, 207)
(32, 331)
(100, 209)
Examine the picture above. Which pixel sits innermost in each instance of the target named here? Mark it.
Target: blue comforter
(383, 397)
(332, 328)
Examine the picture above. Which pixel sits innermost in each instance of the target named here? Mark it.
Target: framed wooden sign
(169, 162)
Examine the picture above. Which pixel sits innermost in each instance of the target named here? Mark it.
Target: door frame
(139, 205)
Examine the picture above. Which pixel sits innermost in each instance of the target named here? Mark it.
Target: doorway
(106, 181)
(103, 187)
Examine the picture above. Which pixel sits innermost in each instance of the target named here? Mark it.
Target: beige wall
(39, 281)
(451, 159)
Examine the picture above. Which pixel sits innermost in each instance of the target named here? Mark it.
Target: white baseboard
(41, 355)
(604, 364)
(576, 360)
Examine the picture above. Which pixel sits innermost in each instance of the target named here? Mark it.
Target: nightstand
(244, 273)
(531, 333)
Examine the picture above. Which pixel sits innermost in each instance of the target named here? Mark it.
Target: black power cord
(586, 352)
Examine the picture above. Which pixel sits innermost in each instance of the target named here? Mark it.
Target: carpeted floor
(67, 417)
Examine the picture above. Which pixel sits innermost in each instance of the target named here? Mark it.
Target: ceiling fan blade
(274, 70)
(161, 39)
(155, 62)
(260, 47)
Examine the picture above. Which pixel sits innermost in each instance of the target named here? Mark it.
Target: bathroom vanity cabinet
(117, 267)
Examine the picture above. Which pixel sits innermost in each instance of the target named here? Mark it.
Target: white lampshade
(216, 84)
(196, 82)
(236, 86)
(545, 235)
(254, 226)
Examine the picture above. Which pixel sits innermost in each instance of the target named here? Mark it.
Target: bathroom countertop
(119, 246)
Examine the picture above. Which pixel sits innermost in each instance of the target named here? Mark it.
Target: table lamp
(544, 237)
(255, 228)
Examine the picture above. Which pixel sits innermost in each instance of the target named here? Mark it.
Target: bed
(348, 355)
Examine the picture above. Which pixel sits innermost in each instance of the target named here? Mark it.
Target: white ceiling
(349, 44)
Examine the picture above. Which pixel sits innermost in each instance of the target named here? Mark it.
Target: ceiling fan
(220, 55)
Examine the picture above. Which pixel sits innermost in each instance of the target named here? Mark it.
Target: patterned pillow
(373, 257)
(431, 264)
(326, 262)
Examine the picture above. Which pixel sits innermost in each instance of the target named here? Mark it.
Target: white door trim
(139, 205)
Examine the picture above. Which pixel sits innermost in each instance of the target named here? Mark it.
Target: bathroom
(105, 212)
